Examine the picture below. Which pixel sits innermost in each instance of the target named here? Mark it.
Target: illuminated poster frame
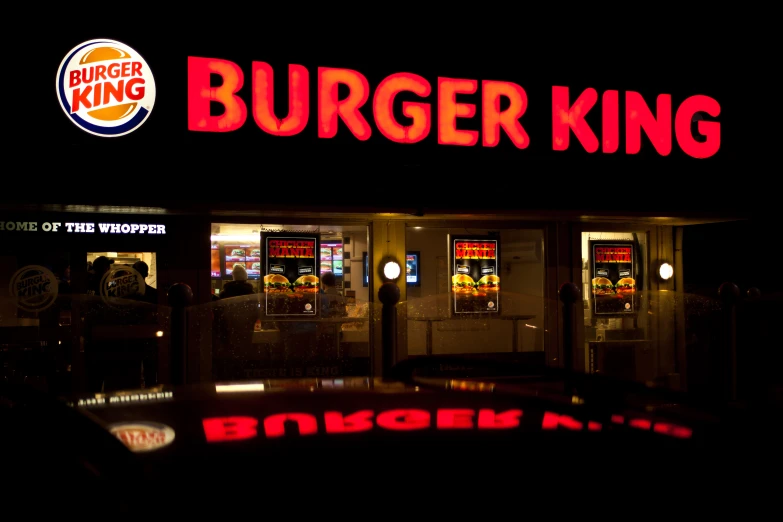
(615, 261)
(467, 297)
(295, 259)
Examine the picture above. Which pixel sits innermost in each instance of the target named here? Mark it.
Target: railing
(715, 346)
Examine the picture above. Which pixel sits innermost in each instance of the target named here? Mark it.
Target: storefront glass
(287, 301)
(80, 310)
(497, 305)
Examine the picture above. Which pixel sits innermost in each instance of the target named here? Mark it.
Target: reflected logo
(141, 437)
(105, 88)
(121, 282)
(35, 288)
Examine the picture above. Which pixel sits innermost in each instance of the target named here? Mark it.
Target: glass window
(287, 301)
(499, 308)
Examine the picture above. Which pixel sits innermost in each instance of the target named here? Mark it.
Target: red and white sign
(142, 437)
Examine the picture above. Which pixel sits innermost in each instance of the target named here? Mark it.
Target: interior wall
(356, 247)
(522, 276)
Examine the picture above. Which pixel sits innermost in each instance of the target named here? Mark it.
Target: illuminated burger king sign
(105, 88)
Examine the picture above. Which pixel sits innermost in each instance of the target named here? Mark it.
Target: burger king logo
(141, 437)
(105, 88)
(34, 287)
(120, 283)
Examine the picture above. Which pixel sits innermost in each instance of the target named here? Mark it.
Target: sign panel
(613, 272)
(291, 281)
(475, 283)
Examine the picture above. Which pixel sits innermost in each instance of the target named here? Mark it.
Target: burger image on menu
(462, 284)
(625, 286)
(489, 283)
(307, 284)
(276, 284)
(602, 286)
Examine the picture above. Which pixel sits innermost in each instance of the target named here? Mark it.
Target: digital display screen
(248, 256)
(412, 268)
(366, 280)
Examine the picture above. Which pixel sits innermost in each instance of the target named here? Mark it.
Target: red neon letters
(419, 112)
(264, 100)
(220, 429)
(452, 106)
(639, 117)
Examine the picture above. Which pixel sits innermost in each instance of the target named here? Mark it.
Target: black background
(671, 52)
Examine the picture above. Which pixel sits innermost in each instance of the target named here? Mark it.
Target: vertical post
(180, 296)
(569, 294)
(729, 294)
(389, 294)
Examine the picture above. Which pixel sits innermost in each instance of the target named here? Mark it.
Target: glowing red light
(274, 425)
(489, 420)
(218, 429)
(200, 94)
(448, 419)
(672, 430)
(449, 110)
(610, 120)
(337, 423)
(419, 112)
(638, 116)
(493, 119)
(264, 96)
(709, 129)
(567, 117)
(330, 107)
(552, 421)
(404, 420)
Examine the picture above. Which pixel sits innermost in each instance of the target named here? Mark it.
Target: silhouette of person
(62, 271)
(239, 286)
(332, 302)
(150, 293)
(100, 266)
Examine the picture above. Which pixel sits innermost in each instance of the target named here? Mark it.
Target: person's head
(101, 265)
(328, 279)
(239, 273)
(62, 269)
(142, 268)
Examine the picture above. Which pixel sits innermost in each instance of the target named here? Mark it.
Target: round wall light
(391, 270)
(665, 271)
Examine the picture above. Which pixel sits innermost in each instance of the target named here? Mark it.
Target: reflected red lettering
(218, 429)
(404, 420)
(274, 425)
(337, 423)
(489, 420)
(456, 419)
(553, 421)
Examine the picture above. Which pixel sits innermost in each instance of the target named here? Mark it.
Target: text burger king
(105, 88)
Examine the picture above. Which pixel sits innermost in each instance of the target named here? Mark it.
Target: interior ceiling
(227, 229)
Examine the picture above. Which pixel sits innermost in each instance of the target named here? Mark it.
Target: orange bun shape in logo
(105, 88)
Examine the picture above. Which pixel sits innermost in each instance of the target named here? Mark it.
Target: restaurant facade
(488, 186)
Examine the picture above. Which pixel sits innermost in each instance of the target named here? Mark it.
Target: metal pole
(729, 294)
(569, 294)
(180, 296)
(389, 294)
